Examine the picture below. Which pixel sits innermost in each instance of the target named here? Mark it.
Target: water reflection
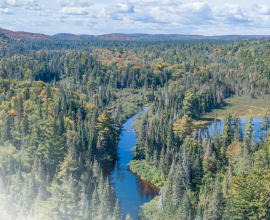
(256, 127)
(146, 191)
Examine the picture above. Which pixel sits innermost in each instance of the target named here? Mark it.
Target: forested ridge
(63, 104)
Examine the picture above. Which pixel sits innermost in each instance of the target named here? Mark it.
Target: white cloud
(120, 8)
(8, 3)
(42, 13)
(6, 11)
(115, 11)
(13, 2)
(74, 11)
(62, 3)
(31, 4)
(171, 12)
(26, 4)
(75, 3)
(81, 3)
(261, 9)
(231, 13)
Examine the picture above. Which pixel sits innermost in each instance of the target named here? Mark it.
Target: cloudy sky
(208, 17)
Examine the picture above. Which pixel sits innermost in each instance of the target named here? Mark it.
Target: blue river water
(130, 190)
(256, 127)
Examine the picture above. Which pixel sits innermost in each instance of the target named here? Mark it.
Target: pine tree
(184, 210)
(186, 166)
(117, 213)
(5, 131)
(248, 138)
(227, 132)
(265, 122)
(91, 149)
(128, 217)
(197, 171)
(94, 203)
(178, 187)
(61, 125)
(162, 199)
(227, 210)
(215, 129)
(83, 201)
(161, 167)
(238, 135)
(25, 125)
(215, 208)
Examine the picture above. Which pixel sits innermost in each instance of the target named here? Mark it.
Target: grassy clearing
(241, 106)
(146, 171)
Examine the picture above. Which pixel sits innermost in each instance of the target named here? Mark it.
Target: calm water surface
(130, 190)
(256, 127)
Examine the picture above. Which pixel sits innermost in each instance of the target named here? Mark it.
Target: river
(130, 190)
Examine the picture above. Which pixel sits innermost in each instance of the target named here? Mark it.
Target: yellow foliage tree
(183, 126)
(67, 167)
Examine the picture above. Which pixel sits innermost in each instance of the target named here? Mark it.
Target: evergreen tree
(248, 135)
(186, 166)
(265, 122)
(184, 210)
(215, 208)
(238, 135)
(128, 217)
(227, 132)
(5, 131)
(178, 187)
(117, 213)
(197, 171)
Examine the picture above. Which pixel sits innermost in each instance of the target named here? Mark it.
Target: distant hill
(26, 35)
(17, 35)
(64, 36)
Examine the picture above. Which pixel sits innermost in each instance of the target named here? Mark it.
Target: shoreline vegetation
(148, 171)
(240, 107)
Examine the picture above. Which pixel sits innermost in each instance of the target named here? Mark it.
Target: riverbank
(147, 172)
(142, 169)
(241, 106)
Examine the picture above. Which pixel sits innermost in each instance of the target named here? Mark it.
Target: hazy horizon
(208, 17)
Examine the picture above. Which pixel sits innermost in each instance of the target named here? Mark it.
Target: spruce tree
(178, 187)
(128, 217)
(186, 166)
(248, 138)
(5, 130)
(94, 203)
(117, 212)
(184, 210)
(197, 171)
(238, 135)
(227, 132)
(215, 208)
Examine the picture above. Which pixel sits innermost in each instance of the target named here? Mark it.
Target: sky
(94, 17)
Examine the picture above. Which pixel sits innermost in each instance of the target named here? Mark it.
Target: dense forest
(62, 105)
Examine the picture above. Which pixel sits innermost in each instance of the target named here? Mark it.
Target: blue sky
(207, 17)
